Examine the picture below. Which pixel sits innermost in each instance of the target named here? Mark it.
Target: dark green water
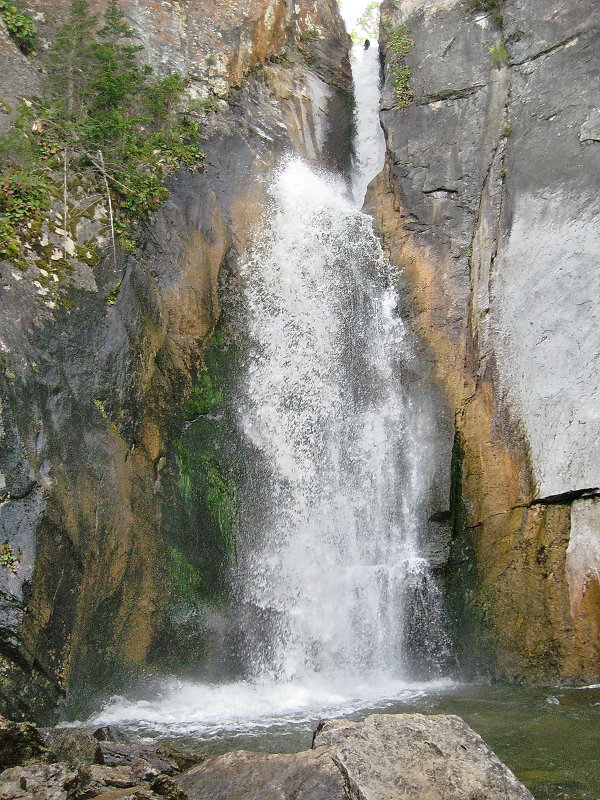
(549, 737)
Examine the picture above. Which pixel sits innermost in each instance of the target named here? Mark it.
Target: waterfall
(331, 514)
(329, 545)
(369, 141)
(330, 575)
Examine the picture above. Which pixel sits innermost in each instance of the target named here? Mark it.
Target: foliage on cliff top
(104, 122)
(491, 7)
(20, 27)
(367, 25)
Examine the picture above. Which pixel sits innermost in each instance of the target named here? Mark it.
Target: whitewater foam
(204, 711)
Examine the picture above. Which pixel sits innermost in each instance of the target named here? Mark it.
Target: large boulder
(385, 757)
(72, 745)
(241, 775)
(389, 757)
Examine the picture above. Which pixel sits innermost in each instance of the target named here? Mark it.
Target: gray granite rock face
(20, 79)
(545, 316)
(514, 150)
(494, 168)
(392, 757)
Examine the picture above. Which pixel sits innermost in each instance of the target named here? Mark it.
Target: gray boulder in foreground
(385, 757)
(393, 757)
(241, 775)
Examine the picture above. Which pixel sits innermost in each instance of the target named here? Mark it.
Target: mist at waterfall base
(339, 608)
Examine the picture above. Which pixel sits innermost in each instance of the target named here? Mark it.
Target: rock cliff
(96, 369)
(489, 201)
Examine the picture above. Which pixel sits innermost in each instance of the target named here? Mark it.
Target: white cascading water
(329, 574)
(369, 141)
(329, 546)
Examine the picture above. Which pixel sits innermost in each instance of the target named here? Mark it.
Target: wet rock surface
(72, 745)
(92, 387)
(382, 758)
(114, 754)
(19, 742)
(489, 203)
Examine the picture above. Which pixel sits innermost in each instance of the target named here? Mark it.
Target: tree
(103, 120)
(368, 23)
(69, 58)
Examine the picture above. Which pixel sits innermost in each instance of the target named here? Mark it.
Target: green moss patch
(20, 27)
(400, 45)
(204, 480)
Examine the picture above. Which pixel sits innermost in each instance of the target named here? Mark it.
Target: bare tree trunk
(110, 208)
(65, 203)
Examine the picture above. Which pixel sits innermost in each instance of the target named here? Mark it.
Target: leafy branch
(104, 122)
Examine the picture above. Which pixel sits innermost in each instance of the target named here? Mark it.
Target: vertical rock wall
(490, 202)
(94, 380)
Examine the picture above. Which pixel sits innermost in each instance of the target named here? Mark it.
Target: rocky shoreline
(384, 757)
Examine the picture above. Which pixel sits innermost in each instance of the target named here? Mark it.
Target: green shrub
(506, 130)
(111, 297)
(491, 7)
(20, 27)
(400, 45)
(23, 195)
(498, 54)
(8, 559)
(209, 103)
(310, 35)
(24, 200)
(122, 131)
